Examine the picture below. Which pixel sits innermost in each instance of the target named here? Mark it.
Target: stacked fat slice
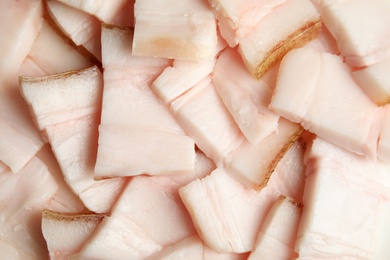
(194, 129)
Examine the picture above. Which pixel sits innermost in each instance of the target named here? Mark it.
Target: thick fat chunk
(270, 39)
(69, 117)
(246, 98)
(345, 198)
(175, 29)
(22, 198)
(149, 215)
(66, 233)
(137, 131)
(82, 28)
(202, 114)
(375, 81)
(360, 27)
(20, 22)
(277, 235)
(317, 90)
(48, 49)
(105, 11)
(253, 164)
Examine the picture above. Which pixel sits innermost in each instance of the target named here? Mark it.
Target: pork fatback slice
(175, 29)
(138, 134)
(317, 90)
(82, 28)
(236, 19)
(66, 108)
(278, 232)
(105, 11)
(227, 215)
(270, 39)
(253, 165)
(48, 49)
(20, 23)
(66, 233)
(361, 28)
(246, 98)
(375, 81)
(149, 214)
(344, 204)
(23, 196)
(204, 117)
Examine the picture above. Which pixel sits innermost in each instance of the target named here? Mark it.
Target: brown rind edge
(70, 217)
(271, 168)
(291, 200)
(383, 102)
(297, 39)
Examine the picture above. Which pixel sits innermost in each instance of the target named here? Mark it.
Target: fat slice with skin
(278, 232)
(192, 248)
(69, 118)
(22, 198)
(48, 49)
(175, 29)
(361, 28)
(253, 165)
(270, 39)
(316, 89)
(19, 138)
(204, 117)
(345, 199)
(20, 23)
(106, 11)
(227, 215)
(375, 81)
(137, 135)
(82, 28)
(149, 215)
(66, 233)
(237, 18)
(384, 137)
(65, 200)
(246, 98)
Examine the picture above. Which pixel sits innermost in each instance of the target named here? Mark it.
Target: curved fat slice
(22, 198)
(150, 215)
(278, 232)
(344, 204)
(237, 18)
(183, 75)
(19, 138)
(105, 11)
(204, 117)
(270, 39)
(246, 98)
(227, 215)
(175, 29)
(137, 131)
(384, 137)
(361, 29)
(82, 28)
(69, 116)
(48, 49)
(20, 23)
(253, 165)
(317, 90)
(66, 233)
(375, 81)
